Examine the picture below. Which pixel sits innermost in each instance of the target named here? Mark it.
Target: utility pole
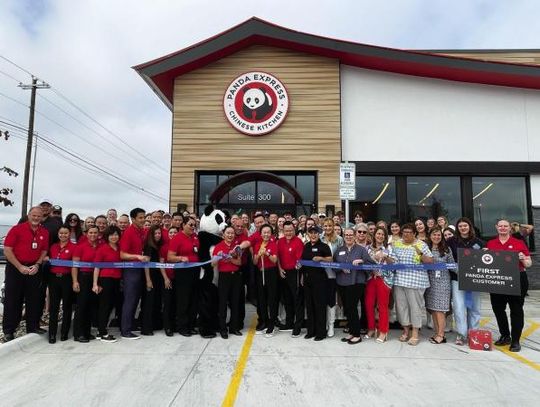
(33, 87)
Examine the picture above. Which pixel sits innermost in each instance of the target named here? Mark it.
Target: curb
(19, 344)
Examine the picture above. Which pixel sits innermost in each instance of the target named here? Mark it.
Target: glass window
(375, 198)
(243, 193)
(495, 198)
(271, 193)
(207, 184)
(305, 184)
(430, 197)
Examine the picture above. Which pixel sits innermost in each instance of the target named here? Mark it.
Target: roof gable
(160, 73)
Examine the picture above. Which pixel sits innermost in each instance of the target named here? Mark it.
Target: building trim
(160, 73)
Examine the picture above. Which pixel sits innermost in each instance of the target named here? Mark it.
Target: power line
(14, 100)
(108, 131)
(137, 168)
(14, 64)
(10, 76)
(92, 167)
(101, 150)
(65, 98)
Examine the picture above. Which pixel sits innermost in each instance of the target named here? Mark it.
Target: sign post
(347, 185)
(495, 272)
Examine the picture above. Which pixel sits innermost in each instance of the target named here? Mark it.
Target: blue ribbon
(132, 265)
(394, 266)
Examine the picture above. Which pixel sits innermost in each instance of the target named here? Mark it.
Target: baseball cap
(57, 208)
(167, 215)
(322, 215)
(45, 200)
(314, 229)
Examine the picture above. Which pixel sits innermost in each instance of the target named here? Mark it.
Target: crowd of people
(256, 258)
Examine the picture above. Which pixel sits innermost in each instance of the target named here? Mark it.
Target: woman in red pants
(379, 285)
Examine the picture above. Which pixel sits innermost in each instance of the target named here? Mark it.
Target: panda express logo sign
(256, 103)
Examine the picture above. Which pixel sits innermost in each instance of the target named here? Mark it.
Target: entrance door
(253, 191)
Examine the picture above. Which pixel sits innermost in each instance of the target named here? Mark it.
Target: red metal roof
(161, 72)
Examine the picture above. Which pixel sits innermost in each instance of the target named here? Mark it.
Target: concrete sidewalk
(279, 371)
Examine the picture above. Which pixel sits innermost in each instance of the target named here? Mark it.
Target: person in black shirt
(314, 279)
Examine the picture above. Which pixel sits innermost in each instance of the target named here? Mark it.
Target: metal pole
(24, 206)
(346, 208)
(33, 87)
(33, 173)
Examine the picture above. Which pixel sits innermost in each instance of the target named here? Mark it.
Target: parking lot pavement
(281, 371)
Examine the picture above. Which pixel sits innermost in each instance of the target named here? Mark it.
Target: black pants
(86, 306)
(151, 306)
(229, 290)
(60, 289)
(20, 289)
(267, 300)
(107, 299)
(133, 285)
(169, 307)
(293, 299)
(499, 302)
(186, 297)
(350, 295)
(245, 271)
(315, 292)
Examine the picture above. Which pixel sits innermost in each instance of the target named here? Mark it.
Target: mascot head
(213, 221)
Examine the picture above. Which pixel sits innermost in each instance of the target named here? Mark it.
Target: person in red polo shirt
(131, 249)
(290, 248)
(82, 280)
(241, 235)
(60, 286)
(505, 242)
(106, 280)
(184, 248)
(229, 281)
(25, 248)
(250, 242)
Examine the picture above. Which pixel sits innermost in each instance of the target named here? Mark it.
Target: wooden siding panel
(309, 139)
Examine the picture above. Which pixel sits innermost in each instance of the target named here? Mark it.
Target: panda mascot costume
(211, 226)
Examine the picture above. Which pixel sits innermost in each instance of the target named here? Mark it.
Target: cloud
(85, 50)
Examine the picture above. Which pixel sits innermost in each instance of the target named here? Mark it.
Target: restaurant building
(263, 116)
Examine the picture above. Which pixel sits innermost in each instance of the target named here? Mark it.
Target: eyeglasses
(361, 232)
(405, 232)
(74, 220)
(191, 225)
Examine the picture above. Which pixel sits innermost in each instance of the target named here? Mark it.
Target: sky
(99, 109)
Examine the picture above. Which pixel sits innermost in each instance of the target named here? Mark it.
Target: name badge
(341, 253)
(314, 250)
(34, 245)
(195, 249)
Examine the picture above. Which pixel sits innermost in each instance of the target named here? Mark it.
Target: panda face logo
(256, 103)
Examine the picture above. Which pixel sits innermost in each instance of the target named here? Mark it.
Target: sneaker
(286, 328)
(108, 339)
(270, 332)
(460, 340)
(260, 327)
(295, 333)
(130, 335)
(330, 332)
